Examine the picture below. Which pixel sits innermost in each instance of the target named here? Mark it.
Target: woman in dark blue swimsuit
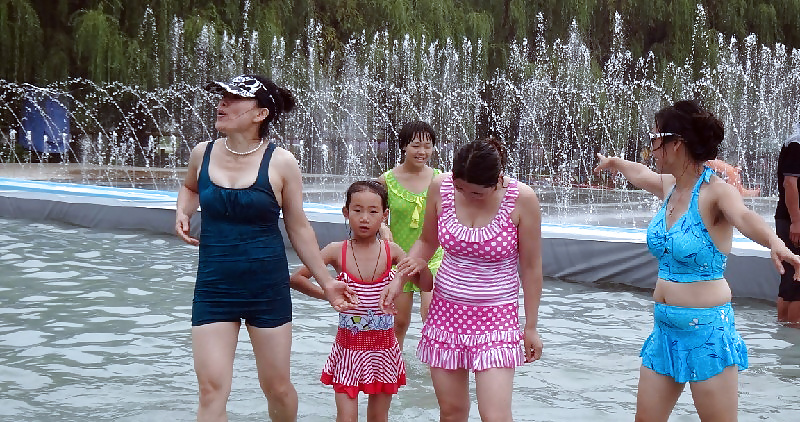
(243, 183)
(694, 337)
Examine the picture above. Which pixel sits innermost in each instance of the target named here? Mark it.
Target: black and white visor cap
(242, 86)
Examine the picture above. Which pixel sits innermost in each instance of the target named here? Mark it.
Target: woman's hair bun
(289, 102)
(495, 142)
(701, 131)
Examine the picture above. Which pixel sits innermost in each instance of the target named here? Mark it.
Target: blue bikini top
(685, 252)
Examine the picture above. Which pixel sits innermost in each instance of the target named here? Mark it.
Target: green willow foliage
(139, 42)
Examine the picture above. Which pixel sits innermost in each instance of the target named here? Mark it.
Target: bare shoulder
(527, 196)
(719, 189)
(196, 156)
(331, 251)
(283, 156)
(333, 246)
(397, 252)
(436, 183)
(200, 148)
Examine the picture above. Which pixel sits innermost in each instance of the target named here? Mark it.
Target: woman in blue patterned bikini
(694, 338)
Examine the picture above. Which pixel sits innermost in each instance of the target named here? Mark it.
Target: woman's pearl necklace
(246, 152)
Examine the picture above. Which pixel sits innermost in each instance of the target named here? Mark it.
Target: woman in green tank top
(407, 185)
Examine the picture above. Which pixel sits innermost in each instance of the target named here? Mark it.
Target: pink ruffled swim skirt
(457, 336)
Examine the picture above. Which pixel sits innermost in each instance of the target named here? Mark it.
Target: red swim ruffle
(370, 388)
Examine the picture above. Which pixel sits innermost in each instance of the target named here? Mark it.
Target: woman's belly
(700, 294)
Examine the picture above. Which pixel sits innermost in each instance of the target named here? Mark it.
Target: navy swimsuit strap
(263, 170)
(203, 178)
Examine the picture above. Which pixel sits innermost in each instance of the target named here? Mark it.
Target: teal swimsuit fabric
(242, 272)
(690, 344)
(685, 252)
(693, 344)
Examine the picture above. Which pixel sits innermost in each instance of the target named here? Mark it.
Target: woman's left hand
(340, 295)
(533, 345)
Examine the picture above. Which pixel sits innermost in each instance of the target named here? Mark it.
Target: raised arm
(301, 234)
(188, 196)
(638, 174)
(530, 267)
(749, 223)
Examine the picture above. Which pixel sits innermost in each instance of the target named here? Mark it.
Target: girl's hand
(410, 266)
(388, 295)
(533, 345)
(604, 163)
(780, 254)
(340, 295)
(182, 226)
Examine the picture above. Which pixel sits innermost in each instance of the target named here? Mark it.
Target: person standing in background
(787, 224)
(407, 184)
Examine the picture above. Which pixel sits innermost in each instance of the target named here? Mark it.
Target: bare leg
(717, 398)
(272, 347)
(378, 407)
(213, 347)
(452, 393)
(493, 387)
(425, 304)
(783, 310)
(789, 311)
(656, 397)
(402, 319)
(346, 408)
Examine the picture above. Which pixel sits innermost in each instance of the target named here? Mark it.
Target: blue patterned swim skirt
(693, 344)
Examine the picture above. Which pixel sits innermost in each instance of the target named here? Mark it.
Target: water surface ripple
(95, 326)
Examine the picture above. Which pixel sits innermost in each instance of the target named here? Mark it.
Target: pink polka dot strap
(492, 230)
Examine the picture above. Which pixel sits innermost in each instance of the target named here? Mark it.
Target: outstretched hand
(603, 163)
(780, 254)
(340, 296)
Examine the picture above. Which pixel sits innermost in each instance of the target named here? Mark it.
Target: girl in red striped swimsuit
(365, 356)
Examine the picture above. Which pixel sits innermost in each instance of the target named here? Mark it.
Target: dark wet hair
(480, 162)
(367, 185)
(701, 131)
(276, 99)
(411, 129)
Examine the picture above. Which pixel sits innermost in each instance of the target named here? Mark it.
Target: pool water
(96, 326)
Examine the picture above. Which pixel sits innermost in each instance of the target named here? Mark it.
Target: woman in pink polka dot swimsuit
(489, 226)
